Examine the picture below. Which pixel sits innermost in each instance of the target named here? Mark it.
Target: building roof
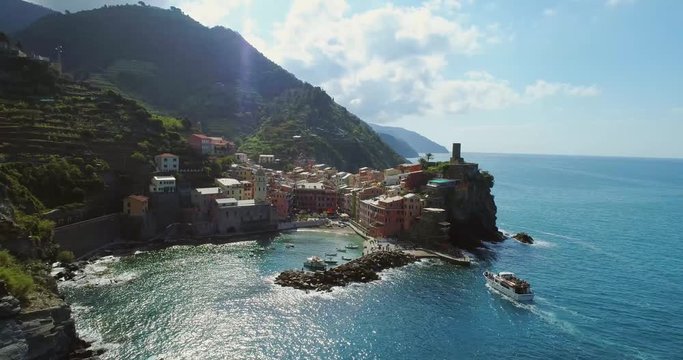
(209, 190)
(164, 178)
(410, 196)
(434, 210)
(246, 202)
(138, 197)
(310, 186)
(167, 154)
(266, 155)
(228, 201)
(391, 199)
(227, 182)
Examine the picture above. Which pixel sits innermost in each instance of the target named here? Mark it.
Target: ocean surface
(607, 269)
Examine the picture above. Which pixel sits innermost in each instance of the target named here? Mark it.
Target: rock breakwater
(361, 270)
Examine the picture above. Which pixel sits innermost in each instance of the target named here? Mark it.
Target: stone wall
(86, 236)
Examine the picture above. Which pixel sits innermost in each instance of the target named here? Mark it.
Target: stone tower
(260, 186)
(456, 158)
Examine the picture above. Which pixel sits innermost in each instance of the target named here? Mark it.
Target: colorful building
(314, 197)
(210, 145)
(167, 162)
(136, 205)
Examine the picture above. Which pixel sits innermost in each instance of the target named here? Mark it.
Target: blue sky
(589, 77)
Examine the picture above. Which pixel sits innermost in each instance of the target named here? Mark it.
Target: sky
(580, 77)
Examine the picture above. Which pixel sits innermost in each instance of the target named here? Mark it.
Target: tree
(429, 156)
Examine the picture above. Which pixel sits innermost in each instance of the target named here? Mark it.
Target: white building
(162, 184)
(266, 159)
(167, 162)
(241, 157)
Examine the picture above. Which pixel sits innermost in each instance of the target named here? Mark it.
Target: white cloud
(542, 88)
(617, 3)
(549, 12)
(389, 62)
(210, 12)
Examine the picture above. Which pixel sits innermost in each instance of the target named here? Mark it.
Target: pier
(431, 254)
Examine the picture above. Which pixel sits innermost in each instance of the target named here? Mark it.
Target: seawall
(85, 236)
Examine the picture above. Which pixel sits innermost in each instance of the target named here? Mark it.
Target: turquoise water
(606, 268)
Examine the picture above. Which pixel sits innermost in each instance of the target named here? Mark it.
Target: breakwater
(361, 270)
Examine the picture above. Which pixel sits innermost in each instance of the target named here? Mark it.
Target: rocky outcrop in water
(361, 270)
(523, 238)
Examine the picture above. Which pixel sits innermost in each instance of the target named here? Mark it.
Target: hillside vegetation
(58, 138)
(213, 76)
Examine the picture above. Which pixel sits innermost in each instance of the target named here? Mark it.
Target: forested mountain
(400, 146)
(15, 15)
(176, 65)
(416, 141)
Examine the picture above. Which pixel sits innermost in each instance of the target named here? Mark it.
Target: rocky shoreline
(361, 270)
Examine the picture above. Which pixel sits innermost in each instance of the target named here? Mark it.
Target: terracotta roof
(138, 197)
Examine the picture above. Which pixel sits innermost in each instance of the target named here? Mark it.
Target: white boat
(315, 263)
(330, 261)
(330, 254)
(351, 246)
(341, 250)
(509, 285)
(289, 245)
(346, 258)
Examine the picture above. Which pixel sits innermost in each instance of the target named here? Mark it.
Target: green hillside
(69, 143)
(175, 65)
(307, 121)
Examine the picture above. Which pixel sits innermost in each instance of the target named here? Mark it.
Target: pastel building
(210, 145)
(314, 197)
(382, 216)
(162, 184)
(241, 157)
(136, 205)
(167, 162)
(232, 188)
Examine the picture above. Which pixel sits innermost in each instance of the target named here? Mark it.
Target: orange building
(136, 205)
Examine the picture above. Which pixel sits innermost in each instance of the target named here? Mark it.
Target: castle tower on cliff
(455, 157)
(260, 187)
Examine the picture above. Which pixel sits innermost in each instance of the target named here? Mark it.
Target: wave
(99, 273)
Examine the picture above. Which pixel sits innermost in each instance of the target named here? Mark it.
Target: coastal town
(407, 202)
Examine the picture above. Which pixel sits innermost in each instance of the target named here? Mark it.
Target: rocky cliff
(471, 209)
(42, 334)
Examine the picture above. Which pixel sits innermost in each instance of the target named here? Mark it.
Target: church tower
(260, 187)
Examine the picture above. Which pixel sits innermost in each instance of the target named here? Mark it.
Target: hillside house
(136, 205)
(163, 184)
(167, 162)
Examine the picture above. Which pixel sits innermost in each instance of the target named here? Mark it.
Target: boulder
(523, 238)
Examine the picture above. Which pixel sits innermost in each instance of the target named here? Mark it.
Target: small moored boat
(289, 245)
(341, 250)
(346, 258)
(351, 246)
(510, 285)
(331, 254)
(330, 261)
(315, 263)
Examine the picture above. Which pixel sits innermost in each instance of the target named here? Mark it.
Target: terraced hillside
(45, 118)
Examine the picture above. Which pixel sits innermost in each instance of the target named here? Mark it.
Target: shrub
(66, 256)
(19, 283)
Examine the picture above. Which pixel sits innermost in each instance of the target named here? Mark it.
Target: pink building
(383, 216)
(412, 208)
(281, 197)
(209, 145)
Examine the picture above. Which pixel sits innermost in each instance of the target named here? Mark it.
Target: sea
(606, 267)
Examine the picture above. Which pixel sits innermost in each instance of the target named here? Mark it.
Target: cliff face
(472, 210)
(42, 334)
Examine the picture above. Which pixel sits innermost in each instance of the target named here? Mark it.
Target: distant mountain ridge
(400, 146)
(417, 142)
(15, 15)
(175, 65)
